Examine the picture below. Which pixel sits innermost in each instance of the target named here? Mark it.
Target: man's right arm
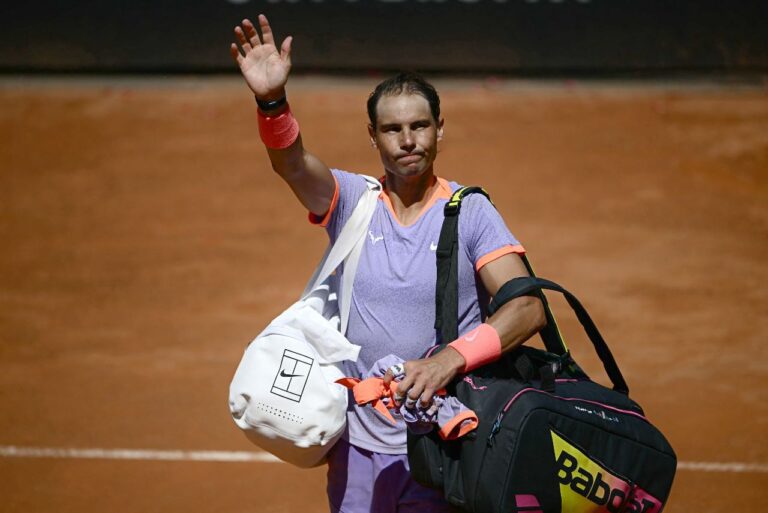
(265, 70)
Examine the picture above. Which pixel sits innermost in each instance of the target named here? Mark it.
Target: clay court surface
(145, 241)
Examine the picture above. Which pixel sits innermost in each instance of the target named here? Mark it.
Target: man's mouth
(410, 158)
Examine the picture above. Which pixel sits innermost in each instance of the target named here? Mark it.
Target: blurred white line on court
(12, 451)
(708, 466)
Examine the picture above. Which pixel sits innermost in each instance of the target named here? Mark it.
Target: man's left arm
(519, 319)
(513, 323)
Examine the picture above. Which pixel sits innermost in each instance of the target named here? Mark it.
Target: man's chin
(410, 171)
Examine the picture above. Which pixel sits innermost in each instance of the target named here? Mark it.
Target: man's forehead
(402, 108)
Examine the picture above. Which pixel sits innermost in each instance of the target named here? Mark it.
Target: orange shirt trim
(323, 220)
(493, 255)
(442, 191)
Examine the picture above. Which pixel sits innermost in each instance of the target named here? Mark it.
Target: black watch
(266, 106)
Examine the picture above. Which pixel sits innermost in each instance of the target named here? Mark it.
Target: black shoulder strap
(523, 286)
(447, 288)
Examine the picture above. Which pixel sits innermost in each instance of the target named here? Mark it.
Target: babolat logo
(587, 487)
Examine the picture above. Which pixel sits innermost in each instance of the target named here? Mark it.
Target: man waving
(392, 310)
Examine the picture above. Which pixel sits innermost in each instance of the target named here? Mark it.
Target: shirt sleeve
(487, 236)
(349, 188)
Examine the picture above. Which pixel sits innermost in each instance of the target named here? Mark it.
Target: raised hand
(264, 68)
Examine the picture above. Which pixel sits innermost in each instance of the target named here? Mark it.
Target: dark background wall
(514, 36)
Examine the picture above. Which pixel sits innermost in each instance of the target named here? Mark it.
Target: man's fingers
(240, 35)
(401, 392)
(285, 50)
(426, 397)
(235, 52)
(402, 389)
(241, 38)
(266, 30)
(250, 31)
(413, 395)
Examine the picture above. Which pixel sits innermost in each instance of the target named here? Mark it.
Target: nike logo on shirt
(286, 375)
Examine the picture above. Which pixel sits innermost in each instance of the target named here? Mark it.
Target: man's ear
(372, 135)
(440, 129)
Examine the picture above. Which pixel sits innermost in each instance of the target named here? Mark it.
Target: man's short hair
(404, 82)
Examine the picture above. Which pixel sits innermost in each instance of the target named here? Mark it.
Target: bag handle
(447, 285)
(528, 285)
(347, 249)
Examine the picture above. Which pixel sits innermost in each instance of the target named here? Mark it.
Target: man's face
(406, 134)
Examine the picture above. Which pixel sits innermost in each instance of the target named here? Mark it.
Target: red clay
(146, 241)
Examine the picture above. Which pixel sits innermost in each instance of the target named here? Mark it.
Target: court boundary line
(14, 451)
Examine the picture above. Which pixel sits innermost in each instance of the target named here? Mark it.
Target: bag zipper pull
(495, 428)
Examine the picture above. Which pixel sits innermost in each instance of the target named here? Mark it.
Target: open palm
(264, 68)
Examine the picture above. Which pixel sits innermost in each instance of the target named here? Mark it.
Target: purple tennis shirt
(393, 298)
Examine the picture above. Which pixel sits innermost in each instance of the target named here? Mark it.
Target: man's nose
(406, 140)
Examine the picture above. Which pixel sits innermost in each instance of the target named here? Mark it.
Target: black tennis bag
(549, 439)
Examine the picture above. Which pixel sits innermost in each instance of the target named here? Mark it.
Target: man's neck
(408, 195)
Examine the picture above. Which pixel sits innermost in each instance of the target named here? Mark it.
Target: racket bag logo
(588, 487)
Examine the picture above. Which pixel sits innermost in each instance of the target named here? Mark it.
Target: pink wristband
(280, 131)
(480, 346)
